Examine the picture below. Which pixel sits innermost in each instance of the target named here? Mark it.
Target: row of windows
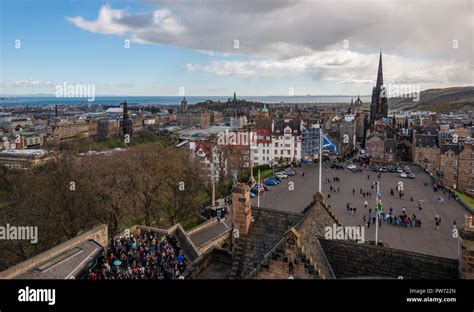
(288, 152)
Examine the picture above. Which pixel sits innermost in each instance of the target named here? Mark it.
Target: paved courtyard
(425, 239)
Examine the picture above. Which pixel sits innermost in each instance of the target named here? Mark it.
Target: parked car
(390, 168)
(383, 169)
(290, 172)
(336, 166)
(281, 175)
(252, 195)
(254, 190)
(403, 175)
(411, 175)
(270, 182)
(351, 167)
(406, 169)
(399, 170)
(277, 179)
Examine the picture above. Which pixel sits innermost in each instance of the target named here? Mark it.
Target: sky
(216, 47)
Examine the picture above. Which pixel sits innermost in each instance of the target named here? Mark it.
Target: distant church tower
(235, 97)
(126, 121)
(379, 105)
(358, 105)
(184, 104)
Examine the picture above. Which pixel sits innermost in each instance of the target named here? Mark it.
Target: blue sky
(193, 47)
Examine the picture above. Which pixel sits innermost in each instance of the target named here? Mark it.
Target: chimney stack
(241, 213)
(466, 250)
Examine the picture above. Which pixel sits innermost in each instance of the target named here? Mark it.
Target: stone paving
(425, 239)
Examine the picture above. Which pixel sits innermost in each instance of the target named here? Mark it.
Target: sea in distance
(39, 100)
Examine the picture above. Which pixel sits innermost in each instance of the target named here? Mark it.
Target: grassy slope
(439, 100)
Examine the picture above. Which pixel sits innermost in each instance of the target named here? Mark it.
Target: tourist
(437, 220)
(145, 257)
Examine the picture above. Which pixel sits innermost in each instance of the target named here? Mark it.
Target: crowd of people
(149, 256)
(402, 219)
(405, 218)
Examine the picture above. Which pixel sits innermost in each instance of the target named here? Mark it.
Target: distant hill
(437, 100)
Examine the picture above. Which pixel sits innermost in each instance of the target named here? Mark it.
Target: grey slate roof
(62, 267)
(456, 148)
(427, 140)
(354, 260)
(281, 124)
(265, 232)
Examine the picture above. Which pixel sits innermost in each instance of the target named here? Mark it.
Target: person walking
(437, 220)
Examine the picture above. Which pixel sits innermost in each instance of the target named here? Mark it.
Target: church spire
(380, 73)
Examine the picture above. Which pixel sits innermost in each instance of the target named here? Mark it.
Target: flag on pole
(379, 202)
(329, 144)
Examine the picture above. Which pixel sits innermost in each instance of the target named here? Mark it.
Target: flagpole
(320, 154)
(377, 215)
(259, 186)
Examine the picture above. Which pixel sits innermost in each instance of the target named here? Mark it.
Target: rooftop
(65, 265)
(25, 152)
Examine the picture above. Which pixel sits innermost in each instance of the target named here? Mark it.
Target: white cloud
(305, 38)
(120, 84)
(341, 66)
(32, 83)
(143, 28)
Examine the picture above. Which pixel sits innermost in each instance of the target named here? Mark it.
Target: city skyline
(85, 43)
